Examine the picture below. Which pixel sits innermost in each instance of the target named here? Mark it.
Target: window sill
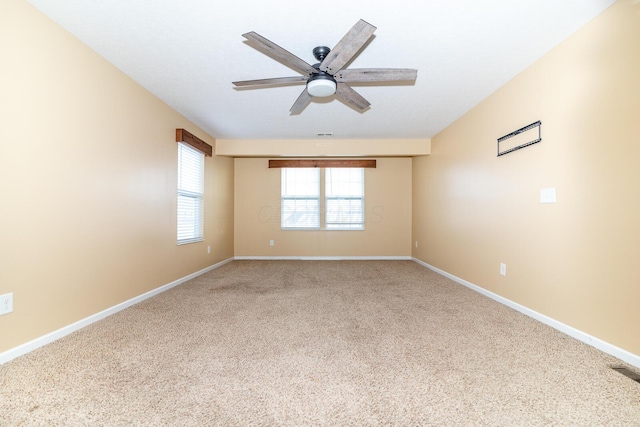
(187, 241)
(322, 229)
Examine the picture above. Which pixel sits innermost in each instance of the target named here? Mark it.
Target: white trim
(624, 355)
(327, 258)
(66, 330)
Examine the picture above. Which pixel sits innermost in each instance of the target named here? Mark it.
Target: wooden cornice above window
(328, 163)
(189, 138)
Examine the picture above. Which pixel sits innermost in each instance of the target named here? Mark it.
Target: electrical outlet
(503, 269)
(208, 249)
(416, 243)
(272, 243)
(6, 303)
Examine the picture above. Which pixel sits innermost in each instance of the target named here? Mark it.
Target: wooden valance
(323, 163)
(189, 138)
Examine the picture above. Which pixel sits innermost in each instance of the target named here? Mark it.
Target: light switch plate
(548, 195)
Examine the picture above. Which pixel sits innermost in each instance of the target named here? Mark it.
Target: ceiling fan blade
(301, 103)
(347, 47)
(274, 81)
(345, 93)
(282, 55)
(362, 75)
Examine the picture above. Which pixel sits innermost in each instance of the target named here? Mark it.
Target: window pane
(189, 217)
(301, 182)
(300, 213)
(344, 182)
(345, 213)
(190, 170)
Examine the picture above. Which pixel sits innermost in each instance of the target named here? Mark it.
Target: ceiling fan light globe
(321, 87)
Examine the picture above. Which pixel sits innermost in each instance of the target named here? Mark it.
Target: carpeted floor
(327, 343)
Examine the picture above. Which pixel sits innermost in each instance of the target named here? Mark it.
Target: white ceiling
(187, 52)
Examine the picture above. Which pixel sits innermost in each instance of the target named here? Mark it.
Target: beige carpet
(304, 343)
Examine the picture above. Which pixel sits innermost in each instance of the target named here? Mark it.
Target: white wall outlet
(208, 249)
(272, 243)
(6, 303)
(416, 243)
(503, 269)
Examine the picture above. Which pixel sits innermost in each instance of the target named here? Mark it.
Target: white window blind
(190, 194)
(340, 197)
(344, 198)
(300, 198)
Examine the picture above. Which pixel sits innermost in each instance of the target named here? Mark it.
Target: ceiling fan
(328, 77)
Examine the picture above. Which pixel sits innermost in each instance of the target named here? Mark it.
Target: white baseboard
(624, 355)
(66, 330)
(328, 258)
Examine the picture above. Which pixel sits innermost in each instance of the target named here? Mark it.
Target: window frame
(190, 191)
(323, 203)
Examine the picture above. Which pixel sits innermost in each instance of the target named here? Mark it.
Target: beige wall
(88, 181)
(323, 147)
(387, 215)
(576, 260)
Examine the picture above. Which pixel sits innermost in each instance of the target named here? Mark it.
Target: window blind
(190, 194)
(344, 196)
(300, 198)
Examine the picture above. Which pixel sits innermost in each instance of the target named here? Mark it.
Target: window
(190, 194)
(336, 192)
